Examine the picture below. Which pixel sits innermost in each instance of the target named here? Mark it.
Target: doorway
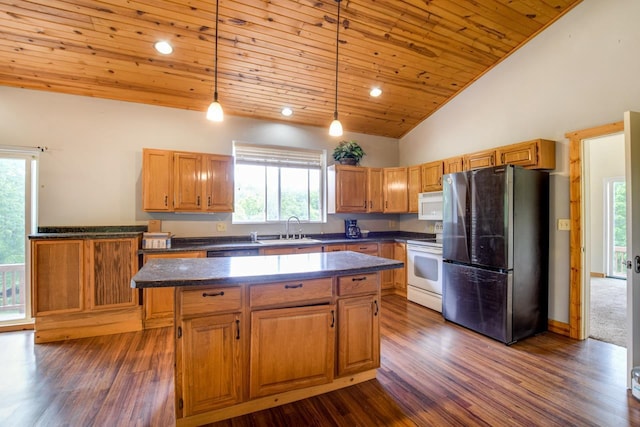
(17, 207)
(605, 237)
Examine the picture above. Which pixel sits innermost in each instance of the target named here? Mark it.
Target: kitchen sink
(303, 241)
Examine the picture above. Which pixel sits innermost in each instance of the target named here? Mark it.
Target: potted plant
(348, 153)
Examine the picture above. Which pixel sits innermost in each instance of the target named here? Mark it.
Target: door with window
(16, 208)
(616, 231)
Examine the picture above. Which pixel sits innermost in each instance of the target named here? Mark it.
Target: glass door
(616, 223)
(16, 208)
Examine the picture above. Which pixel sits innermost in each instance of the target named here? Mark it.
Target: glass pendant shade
(336, 128)
(215, 113)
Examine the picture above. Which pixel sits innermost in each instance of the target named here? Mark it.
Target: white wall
(579, 73)
(604, 158)
(90, 174)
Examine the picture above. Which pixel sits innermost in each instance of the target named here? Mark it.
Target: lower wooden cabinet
(291, 348)
(289, 250)
(82, 287)
(158, 304)
(212, 375)
(400, 274)
(358, 334)
(385, 250)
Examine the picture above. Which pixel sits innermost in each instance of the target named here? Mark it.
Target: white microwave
(430, 206)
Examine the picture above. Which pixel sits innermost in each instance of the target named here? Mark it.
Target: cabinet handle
(386, 204)
(370, 204)
(198, 201)
(215, 294)
(237, 329)
(502, 158)
(333, 318)
(209, 201)
(375, 302)
(358, 279)
(166, 200)
(299, 285)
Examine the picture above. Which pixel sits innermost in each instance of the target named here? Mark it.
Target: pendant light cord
(335, 111)
(215, 66)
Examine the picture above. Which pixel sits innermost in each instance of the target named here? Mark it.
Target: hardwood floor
(432, 373)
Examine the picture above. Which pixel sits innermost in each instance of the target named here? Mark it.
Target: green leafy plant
(348, 152)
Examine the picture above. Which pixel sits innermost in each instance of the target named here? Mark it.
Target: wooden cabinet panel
(212, 374)
(158, 303)
(370, 248)
(286, 293)
(112, 264)
(187, 181)
(291, 348)
(211, 300)
(334, 248)
(347, 189)
(395, 190)
(218, 183)
(157, 180)
(480, 159)
(289, 250)
(453, 165)
(57, 272)
(385, 250)
(358, 334)
(431, 177)
(358, 284)
(414, 186)
(400, 274)
(374, 190)
(536, 154)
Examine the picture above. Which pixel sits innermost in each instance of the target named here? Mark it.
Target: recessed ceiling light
(163, 47)
(375, 92)
(286, 111)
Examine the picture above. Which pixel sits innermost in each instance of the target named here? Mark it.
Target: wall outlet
(221, 226)
(564, 224)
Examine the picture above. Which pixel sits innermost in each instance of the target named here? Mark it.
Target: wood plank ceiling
(271, 53)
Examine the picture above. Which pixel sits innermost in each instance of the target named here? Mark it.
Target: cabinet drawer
(365, 248)
(358, 284)
(285, 293)
(211, 300)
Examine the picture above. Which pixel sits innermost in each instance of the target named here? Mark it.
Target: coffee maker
(351, 229)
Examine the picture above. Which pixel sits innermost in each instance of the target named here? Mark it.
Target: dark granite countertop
(88, 232)
(166, 272)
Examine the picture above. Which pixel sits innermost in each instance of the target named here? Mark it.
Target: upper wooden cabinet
(453, 165)
(186, 182)
(395, 190)
(157, 180)
(347, 189)
(374, 190)
(431, 174)
(414, 186)
(480, 159)
(536, 154)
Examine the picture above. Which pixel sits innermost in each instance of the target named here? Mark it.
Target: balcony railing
(12, 292)
(619, 261)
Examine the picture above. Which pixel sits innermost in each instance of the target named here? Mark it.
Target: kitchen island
(257, 332)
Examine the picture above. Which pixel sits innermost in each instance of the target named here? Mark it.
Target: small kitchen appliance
(351, 229)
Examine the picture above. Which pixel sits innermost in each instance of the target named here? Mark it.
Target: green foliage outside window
(12, 211)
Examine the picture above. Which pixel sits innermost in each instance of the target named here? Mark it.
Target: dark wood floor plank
(433, 373)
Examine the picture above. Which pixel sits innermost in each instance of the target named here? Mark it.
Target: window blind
(271, 155)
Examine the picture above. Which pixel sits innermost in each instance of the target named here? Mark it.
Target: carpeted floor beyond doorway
(608, 315)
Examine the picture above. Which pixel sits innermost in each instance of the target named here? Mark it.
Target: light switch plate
(221, 226)
(564, 224)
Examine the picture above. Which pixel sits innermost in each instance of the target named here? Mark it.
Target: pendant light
(214, 112)
(336, 127)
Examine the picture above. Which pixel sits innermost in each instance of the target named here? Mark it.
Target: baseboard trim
(600, 275)
(18, 327)
(559, 328)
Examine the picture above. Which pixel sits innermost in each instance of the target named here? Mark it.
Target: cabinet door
(358, 334)
(386, 276)
(112, 264)
(291, 348)
(334, 248)
(414, 186)
(524, 154)
(351, 189)
(481, 159)
(158, 303)
(57, 276)
(453, 165)
(364, 248)
(157, 176)
(187, 181)
(218, 183)
(395, 190)
(211, 377)
(400, 274)
(374, 190)
(431, 177)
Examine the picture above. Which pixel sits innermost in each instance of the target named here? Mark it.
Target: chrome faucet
(294, 233)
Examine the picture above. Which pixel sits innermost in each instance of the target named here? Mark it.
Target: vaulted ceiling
(271, 53)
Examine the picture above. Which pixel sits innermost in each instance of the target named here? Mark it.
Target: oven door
(424, 276)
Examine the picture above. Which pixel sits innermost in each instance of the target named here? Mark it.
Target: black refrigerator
(495, 251)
